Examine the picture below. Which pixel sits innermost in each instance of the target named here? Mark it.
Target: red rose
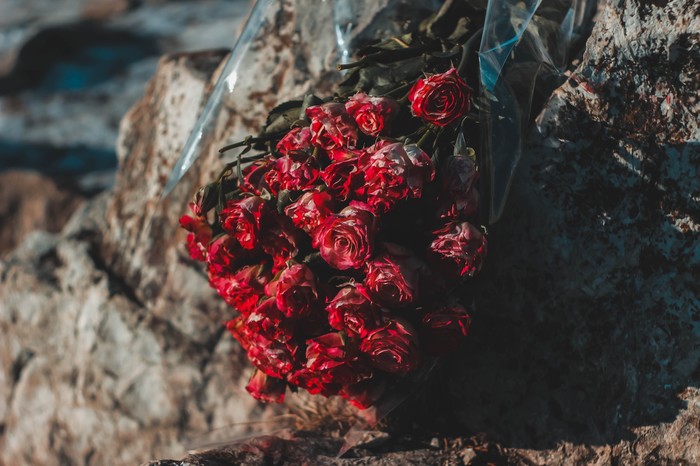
(392, 348)
(242, 218)
(372, 114)
(460, 246)
(315, 383)
(391, 175)
(224, 255)
(274, 358)
(352, 311)
(328, 356)
(441, 98)
(344, 179)
(310, 210)
(261, 175)
(295, 291)
(265, 388)
(280, 240)
(364, 394)
(346, 240)
(267, 321)
(297, 171)
(237, 329)
(331, 126)
(444, 329)
(392, 276)
(242, 289)
(298, 139)
(199, 236)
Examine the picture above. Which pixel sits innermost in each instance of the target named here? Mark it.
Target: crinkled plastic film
(524, 49)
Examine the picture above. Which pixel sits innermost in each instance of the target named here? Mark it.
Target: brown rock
(30, 201)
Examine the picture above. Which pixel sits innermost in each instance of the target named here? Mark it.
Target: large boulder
(584, 345)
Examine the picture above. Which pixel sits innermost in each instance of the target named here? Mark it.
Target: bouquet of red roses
(344, 230)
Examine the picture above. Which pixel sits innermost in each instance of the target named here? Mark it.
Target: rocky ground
(585, 348)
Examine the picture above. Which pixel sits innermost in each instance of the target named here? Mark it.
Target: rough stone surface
(584, 349)
(30, 201)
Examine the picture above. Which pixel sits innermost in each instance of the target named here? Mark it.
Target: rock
(86, 368)
(30, 201)
(70, 69)
(583, 348)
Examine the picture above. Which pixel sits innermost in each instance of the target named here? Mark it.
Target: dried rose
(344, 179)
(298, 139)
(392, 276)
(243, 219)
(295, 291)
(310, 210)
(392, 348)
(297, 171)
(332, 127)
(352, 311)
(391, 175)
(242, 289)
(265, 388)
(460, 246)
(198, 237)
(441, 98)
(329, 356)
(346, 240)
(372, 114)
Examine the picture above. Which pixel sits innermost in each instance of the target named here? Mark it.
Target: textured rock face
(583, 351)
(30, 201)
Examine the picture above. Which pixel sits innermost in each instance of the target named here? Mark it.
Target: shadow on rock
(587, 314)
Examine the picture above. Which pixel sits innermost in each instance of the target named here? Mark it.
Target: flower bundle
(343, 238)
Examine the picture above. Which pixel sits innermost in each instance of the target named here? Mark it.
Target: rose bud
(364, 394)
(440, 99)
(198, 237)
(346, 240)
(444, 329)
(332, 127)
(297, 171)
(242, 218)
(372, 114)
(265, 388)
(310, 210)
(274, 358)
(352, 311)
(344, 179)
(460, 246)
(224, 255)
(295, 291)
(392, 348)
(328, 355)
(297, 140)
(269, 322)
(390, 175)
(255, 175)
(280, 240)
(242, 289)
(392, 276)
